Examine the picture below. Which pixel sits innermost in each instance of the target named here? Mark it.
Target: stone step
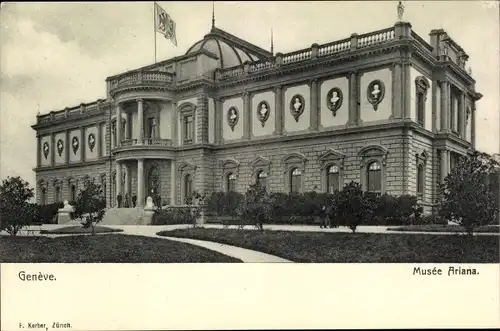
(126, 216)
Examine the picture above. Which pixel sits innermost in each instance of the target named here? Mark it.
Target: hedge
(305, 208)
(47, 214)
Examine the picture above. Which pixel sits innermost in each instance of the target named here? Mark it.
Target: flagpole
(154, 24)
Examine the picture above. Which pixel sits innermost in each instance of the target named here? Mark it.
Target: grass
(446, 228)
(338, 247)
(107, 248)
(80, 230)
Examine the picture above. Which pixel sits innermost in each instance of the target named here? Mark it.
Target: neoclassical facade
(386, 109)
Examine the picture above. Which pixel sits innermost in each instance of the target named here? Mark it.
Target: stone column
(129, 183)
(444, 105)
(353, 98)
(140, 183)
(218, 121)
(174, 124)
(473, 125)
(173, 183)
(39, 151)
(314, 118)
(444, 164)
(127, 126)
(118, 125)
(278, 113)
(118, 180)
(247, 116)
(463, 126)
(140, 120)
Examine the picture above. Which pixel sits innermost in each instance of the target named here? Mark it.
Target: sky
(54, 55)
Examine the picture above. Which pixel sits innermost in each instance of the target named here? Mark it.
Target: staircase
(127, 216)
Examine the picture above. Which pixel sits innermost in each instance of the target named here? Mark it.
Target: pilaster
(140, 183)
(140, 119)
(445, 105)
(218, 121)
(314, 120)
(278, 101)
(52, 149)
(39, 151)
(397, 91)
(353, 99)
(83, 143)
(247, 115)
(118, 124)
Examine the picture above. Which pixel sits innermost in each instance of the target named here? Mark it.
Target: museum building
(386, 109)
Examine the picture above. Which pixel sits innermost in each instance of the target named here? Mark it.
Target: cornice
(103, 160)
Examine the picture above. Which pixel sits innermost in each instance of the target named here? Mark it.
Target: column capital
(245, 94)
(278, 88)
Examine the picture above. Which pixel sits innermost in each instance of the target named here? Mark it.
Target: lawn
(80, 230)
(446, 228)
(105, 248)
(338, 247)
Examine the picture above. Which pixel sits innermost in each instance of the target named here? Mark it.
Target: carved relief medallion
(263, 111)
(60, 147)
(75, 144)
(297, 105)
(232, 117)
(334, 100)
(46, 149)
(375, 93)
(91, 141)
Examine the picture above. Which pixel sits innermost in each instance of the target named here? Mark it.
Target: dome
(231, 51)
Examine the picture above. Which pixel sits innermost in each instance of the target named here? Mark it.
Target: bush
(90, 205)
(15, 211)
(47, 214)
(173, 215)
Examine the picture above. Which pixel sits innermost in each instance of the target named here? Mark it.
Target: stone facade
(385, 98)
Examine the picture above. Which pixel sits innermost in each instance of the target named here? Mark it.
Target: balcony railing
(147, 77)
(146, 142)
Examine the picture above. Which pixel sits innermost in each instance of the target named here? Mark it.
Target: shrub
(173, 215)
(15, 211)
(467, 198)
(255, 206)
(354, 206)
(90, 205)
(47, 214)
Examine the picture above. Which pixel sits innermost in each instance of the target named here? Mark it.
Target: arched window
(420, 180)
(43, 196)
(188, 187)
(295, 180)
(422, 86)
(332, 178)
(231, 182)
(58, 194)
(262, 178)
(374, 177)
(72, 196)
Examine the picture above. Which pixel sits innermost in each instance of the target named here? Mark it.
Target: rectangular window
(420, 108)
(188, 129)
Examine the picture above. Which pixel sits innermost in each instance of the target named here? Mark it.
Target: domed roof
(230, 50)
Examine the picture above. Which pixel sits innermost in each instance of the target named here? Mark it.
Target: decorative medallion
(60, 147)
(75, 144)
(232, 117)
(334, 100)
(91, 141)
(46, 149)
(263, 111)
(297, 105)
(375, 93)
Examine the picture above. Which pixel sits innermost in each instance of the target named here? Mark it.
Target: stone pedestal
(149, 211)
(63, 213)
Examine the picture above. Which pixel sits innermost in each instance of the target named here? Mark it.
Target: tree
(90, 205)
(195, 210)
(466, 196)
(15, 210)
(254, 206)
(354, 206)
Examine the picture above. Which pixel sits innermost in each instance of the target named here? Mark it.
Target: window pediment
(230, 165)
(372, 152)
(185, 166)
(186, 107)
(294, 159)
(260, 162)
(422, 157)
(332, 156)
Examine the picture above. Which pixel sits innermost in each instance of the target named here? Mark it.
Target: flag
(164, 24)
